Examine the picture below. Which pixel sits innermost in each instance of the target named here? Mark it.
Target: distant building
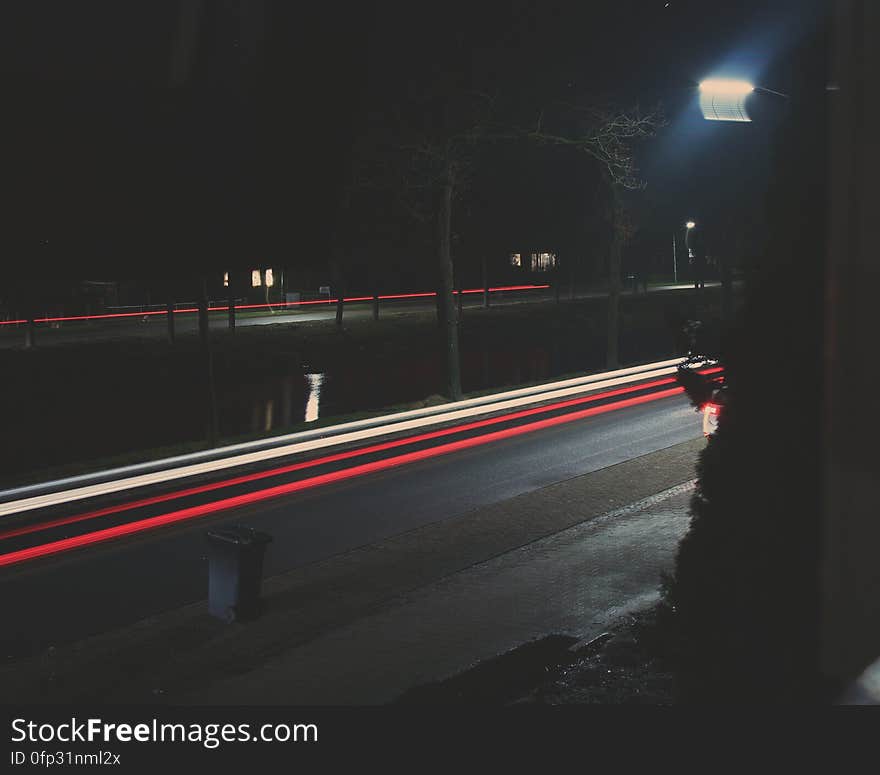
(533, 262)
(259, 285)
(94, 297)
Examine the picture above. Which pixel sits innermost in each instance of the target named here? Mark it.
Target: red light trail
(128, 506)
(285, 304)
(193, 512)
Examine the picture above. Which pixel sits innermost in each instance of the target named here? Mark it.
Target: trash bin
(235, 572)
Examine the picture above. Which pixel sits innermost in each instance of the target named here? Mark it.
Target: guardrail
(52, 493)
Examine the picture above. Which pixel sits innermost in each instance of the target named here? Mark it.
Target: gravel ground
(626, 665)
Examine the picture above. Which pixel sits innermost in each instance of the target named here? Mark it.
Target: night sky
(105, 167)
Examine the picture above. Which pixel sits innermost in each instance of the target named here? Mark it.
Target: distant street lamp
(692, 259)
(690, 225)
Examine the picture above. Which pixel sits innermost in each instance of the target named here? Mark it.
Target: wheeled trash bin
(235, 572)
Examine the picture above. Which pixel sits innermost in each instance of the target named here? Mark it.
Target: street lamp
(690, 225)
(698, 274)
(724, 99)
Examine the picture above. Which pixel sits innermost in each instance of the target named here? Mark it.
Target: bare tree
(608, 136)
(437, 165)
(435, 160)
(337, 246)
(365, 173)
(622, 230)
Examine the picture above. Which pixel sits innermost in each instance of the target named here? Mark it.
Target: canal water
(73, 417)
(320, 391)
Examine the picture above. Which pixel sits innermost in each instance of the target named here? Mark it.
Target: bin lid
(239, 534)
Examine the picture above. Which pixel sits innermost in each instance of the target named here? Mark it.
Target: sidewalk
(575, 582)
(365, 626)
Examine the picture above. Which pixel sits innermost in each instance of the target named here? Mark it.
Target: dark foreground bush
(744, 598)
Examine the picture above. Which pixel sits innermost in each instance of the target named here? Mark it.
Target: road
(68, 596)
(187, 323)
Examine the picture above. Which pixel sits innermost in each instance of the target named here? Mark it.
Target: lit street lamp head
(690, 224)
(726, 86)
(724, 99)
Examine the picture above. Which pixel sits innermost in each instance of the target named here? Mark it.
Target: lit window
(542, 262)
(226, 279)
(515, 259)
(270, 279)
(255, 278)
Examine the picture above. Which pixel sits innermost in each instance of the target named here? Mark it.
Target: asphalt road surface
(69, 596)
(84, 331)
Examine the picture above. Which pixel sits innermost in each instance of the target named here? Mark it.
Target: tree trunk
(208, 362)
(339, 291)
(29, 330)
(203, 315)
(169, 317)
(441, 309)
(612, 360)
(337, 251)
(556, 283)
(447, 305)
(374, 281)
(485, 283)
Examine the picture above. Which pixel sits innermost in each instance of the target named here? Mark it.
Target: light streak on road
(341, 435)
(348, 454)
(202, 510)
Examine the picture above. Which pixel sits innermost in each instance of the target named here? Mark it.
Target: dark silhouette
(639, 265)
(745, 596)
(698, 263)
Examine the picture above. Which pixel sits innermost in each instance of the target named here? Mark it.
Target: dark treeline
(194, 137)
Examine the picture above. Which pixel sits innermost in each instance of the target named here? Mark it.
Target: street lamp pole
(687, 247)
(674, 261)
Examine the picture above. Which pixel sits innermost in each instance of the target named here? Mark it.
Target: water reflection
(313, 401)
(264, 403)
(270, 411)
(278, 403)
